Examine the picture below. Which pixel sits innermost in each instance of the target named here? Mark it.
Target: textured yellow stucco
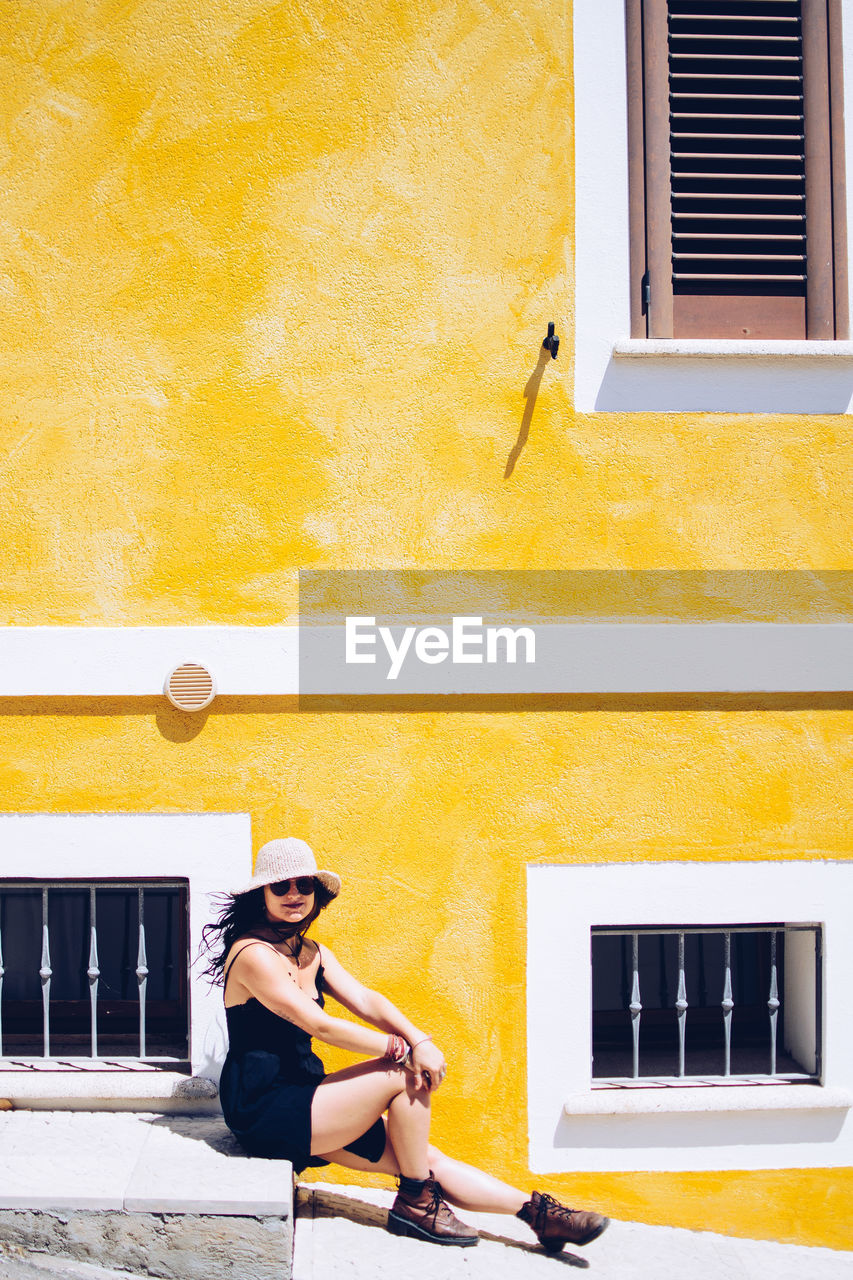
(273, 281)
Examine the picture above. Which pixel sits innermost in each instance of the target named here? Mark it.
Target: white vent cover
(190, 687)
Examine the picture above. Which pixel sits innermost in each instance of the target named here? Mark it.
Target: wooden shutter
(737, 203)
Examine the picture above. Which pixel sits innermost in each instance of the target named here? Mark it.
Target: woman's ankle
(412, 1187)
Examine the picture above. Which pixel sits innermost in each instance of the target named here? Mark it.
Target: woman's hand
(427, 1065)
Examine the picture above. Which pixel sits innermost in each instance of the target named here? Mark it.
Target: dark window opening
(714, 1002)
(94, 970)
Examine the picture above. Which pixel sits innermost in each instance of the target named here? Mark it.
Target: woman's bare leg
(470, 1188)
(464, 1186)
(348, 1102)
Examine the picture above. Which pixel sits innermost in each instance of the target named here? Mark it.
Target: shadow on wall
(726, 384)
(531, 391)
(697, 1131)
(176, 726)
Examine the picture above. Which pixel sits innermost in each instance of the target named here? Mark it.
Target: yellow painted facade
(273, 280)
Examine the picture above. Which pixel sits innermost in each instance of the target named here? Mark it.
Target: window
(736, 169)
(94, 969)
(718, 1002)
(192, 855)
(800, 1118)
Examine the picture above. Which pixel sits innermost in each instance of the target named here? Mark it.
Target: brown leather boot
(555, 1225)
(428, 1217)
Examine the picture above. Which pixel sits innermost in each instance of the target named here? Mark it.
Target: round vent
(190, 687)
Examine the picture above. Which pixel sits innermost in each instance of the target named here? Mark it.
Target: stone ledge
(726, 348)
(100, 1161)
(651, 1100)
(52, 1089)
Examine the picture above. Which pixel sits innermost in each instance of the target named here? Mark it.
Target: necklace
(289, 943)
(290, 952)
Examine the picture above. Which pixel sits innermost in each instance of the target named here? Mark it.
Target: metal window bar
(681, 1005)
(142, 972)
(93, 971)
(45, 973)
(635, 1005)
(727, 1002)
(773, 1003)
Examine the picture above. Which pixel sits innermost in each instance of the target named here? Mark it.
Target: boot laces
(548, 1206)
(436, 1201)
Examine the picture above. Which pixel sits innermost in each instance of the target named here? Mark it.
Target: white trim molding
(729, 349)
(694, 1096)
(611, 376)
(212, 851)
(692, 1126)
(611, 657)
(135, 661)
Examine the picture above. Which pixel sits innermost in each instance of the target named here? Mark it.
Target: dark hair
(243, 914)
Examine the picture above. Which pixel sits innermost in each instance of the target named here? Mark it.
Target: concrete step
(166, 1195)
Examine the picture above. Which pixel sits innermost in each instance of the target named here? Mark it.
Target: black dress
(268, 1083)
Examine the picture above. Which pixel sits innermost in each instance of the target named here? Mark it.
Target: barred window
(94, 969)
(712, 1003)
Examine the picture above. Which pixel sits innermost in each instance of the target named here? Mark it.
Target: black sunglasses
(304, 885)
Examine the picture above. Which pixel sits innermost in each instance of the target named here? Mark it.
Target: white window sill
(710, 375)
(69, 1083)
(651, 1100)
(717, 348)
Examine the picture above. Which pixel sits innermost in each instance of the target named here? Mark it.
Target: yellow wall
(273, 279)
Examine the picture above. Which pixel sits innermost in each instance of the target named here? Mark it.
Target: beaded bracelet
(397, 1050)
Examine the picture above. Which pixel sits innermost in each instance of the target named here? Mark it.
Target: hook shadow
(531, 391)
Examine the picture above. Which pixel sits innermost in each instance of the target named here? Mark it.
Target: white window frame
(575, 1125)
(212, 852)
(615, 373)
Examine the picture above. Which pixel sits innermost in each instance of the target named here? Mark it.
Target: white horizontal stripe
(570, 658)
(135, 661)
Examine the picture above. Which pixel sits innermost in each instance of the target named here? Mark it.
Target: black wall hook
(552, 342)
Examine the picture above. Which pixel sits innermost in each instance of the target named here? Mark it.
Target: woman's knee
(419, 1093)
(398, 1083)
(402, 1081)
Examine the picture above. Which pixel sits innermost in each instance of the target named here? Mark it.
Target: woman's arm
(378, 1010)
(265, 977)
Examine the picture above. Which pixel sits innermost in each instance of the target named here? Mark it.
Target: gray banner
(406, 632)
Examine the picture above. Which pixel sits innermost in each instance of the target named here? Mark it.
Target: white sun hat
(285, 860)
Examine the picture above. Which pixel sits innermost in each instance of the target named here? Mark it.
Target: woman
(276, 1097)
